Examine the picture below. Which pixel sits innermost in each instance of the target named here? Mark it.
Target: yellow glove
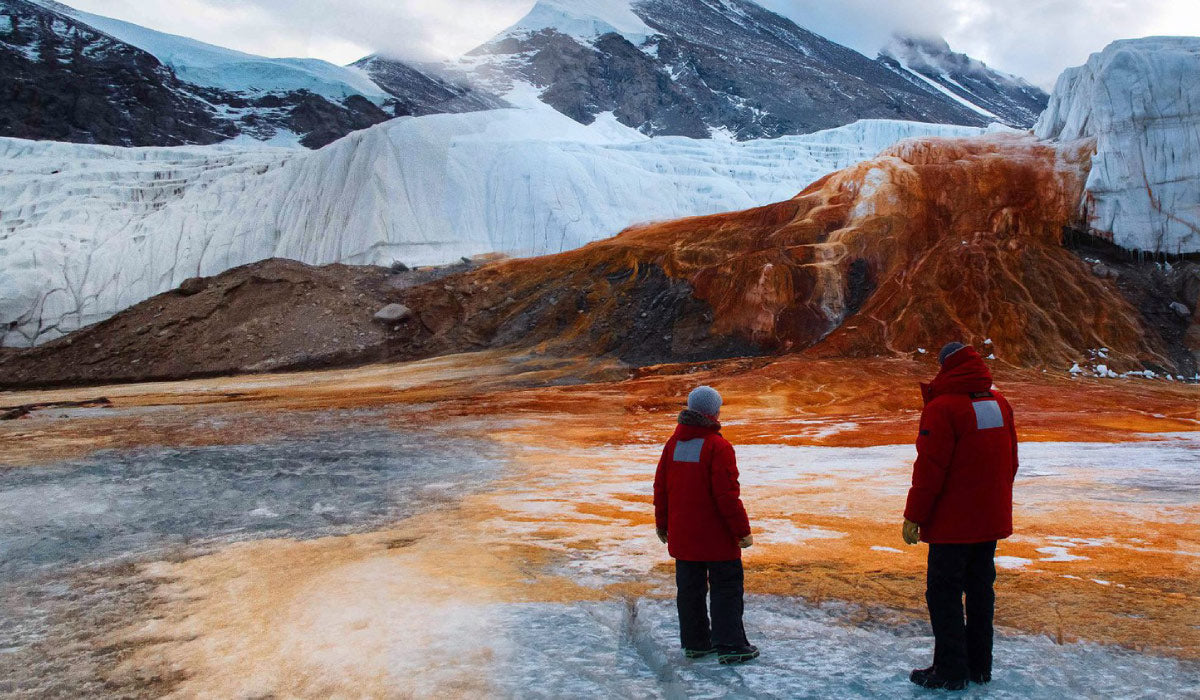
(911, 532)
(662, 536)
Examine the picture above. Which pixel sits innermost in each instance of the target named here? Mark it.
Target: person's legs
(727, 579)
(981, 603)
(691, 581)
(944, 595)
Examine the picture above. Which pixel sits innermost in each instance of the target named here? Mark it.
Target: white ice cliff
(1140, 100)
(86, 231)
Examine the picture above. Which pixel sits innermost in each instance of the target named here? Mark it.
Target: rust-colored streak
(935, 239)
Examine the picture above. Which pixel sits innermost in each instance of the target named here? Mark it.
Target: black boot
(981, 677)
(737, 655)
(929, 678)
(698, 653)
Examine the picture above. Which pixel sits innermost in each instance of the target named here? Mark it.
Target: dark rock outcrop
(62, 80)
(419, 91)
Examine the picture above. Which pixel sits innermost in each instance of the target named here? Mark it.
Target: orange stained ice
(571, 520)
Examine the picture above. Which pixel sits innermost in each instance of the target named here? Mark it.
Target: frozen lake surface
(121, 505)
(69, 531)
(631, 650)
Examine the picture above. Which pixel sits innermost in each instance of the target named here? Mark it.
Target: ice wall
(86, 231)
(1140, 100)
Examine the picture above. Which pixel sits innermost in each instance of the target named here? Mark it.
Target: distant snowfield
(86, 231)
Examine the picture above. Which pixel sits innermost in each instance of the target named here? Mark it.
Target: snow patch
(584, 19)
(779, 531)
(1059, 554)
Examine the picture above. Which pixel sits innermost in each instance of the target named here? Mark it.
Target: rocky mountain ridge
(73, 76)
(698, 68)
(994, 94)
(701, 68)
(63, 80)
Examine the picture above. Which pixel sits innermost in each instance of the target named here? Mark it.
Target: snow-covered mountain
(993, 94)
(77, 76)
(212, 66)
(700, 67)
(1139, 99)
(401, 88)
(63, 80)
(685, 67)
(86, 231)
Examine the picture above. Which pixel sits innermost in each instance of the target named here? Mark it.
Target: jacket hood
(693, 424)
(964, 373)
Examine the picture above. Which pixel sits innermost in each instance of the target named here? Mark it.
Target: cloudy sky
(1035, 39)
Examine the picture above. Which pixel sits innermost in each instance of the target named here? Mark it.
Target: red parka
(966, 457)
(697, 499)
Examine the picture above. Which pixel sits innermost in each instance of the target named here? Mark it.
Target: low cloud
(1035, 39)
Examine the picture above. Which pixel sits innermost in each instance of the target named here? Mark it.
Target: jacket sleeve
(935, 449)
(660, 491)
(727, 492)
(1012, 431)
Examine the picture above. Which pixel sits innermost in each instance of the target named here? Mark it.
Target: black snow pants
(693, 579)
(956, 570)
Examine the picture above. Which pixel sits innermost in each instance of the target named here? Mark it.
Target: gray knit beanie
(949, 349)
(706, 400)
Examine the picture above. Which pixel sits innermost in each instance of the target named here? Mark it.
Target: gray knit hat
(949, 349)
(706, 400)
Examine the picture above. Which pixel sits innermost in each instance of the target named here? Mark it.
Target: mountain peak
(929, 61)
(584, 19)
(932, 54)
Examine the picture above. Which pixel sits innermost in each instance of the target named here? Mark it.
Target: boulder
(192, 285)
(392, 313)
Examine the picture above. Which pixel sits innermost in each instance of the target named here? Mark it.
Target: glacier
(1140, 100)
(86, 231)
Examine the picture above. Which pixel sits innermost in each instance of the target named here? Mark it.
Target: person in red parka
(699, 515)
(960, 503)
